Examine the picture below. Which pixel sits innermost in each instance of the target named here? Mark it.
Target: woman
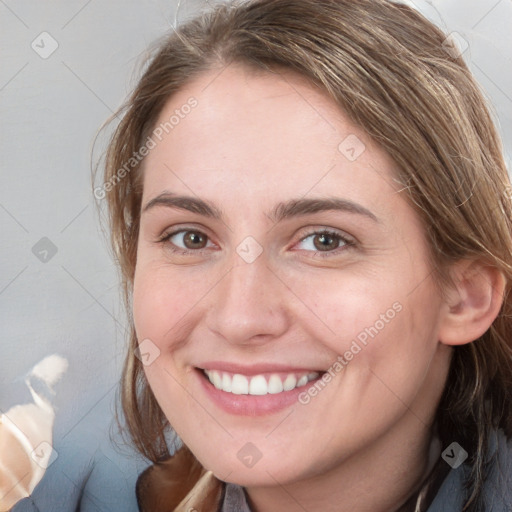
(308, 202)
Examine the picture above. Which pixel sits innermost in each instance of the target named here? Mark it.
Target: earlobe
(472, 302)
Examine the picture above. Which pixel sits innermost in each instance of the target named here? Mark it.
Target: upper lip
(255, 369)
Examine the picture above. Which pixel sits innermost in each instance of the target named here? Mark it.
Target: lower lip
(251, 405)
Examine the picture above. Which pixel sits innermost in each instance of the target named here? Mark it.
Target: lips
(254, 390)
(260, 384)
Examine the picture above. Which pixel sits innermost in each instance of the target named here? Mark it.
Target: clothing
(443, 492)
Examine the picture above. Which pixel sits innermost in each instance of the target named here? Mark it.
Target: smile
(273, 384)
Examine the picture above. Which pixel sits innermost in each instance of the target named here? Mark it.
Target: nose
(248, 305)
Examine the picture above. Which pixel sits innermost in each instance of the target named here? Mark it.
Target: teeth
(226, 382)
(290, 382)
(302, 381)
(217, 380)
(275, 385)
(239, 384)
(257, 385)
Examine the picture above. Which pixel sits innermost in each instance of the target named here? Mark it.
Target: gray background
(51, 109)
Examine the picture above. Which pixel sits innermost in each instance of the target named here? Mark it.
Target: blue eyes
(188, 241)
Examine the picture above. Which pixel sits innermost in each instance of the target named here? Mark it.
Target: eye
(323, 241)
(188, 240)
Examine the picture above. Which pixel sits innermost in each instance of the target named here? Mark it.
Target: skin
(253, 141)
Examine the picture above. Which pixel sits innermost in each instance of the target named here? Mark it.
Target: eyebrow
(188, 203)
(282, 211)
(297, 207)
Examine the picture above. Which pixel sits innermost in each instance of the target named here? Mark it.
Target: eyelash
(347, 242)
(166, 239)
(343, 239)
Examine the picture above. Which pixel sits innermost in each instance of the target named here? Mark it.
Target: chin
(262, 477)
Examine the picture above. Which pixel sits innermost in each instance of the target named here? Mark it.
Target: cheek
(347, 307)
(164, 303)
(377, 322)
(163, 313)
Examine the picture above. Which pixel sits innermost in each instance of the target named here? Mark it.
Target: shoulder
(497, 491)
(498, 488)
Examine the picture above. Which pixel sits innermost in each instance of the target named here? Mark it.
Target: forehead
(264, 134)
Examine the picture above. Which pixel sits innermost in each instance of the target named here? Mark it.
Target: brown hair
(388, 69)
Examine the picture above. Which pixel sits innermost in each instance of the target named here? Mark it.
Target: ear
(472, 302)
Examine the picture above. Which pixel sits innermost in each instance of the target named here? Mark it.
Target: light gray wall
(51, 109)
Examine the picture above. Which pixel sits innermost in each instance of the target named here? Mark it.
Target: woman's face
(279, 259)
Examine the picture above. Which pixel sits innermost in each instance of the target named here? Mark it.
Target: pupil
(325, 242)
(194, 240)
